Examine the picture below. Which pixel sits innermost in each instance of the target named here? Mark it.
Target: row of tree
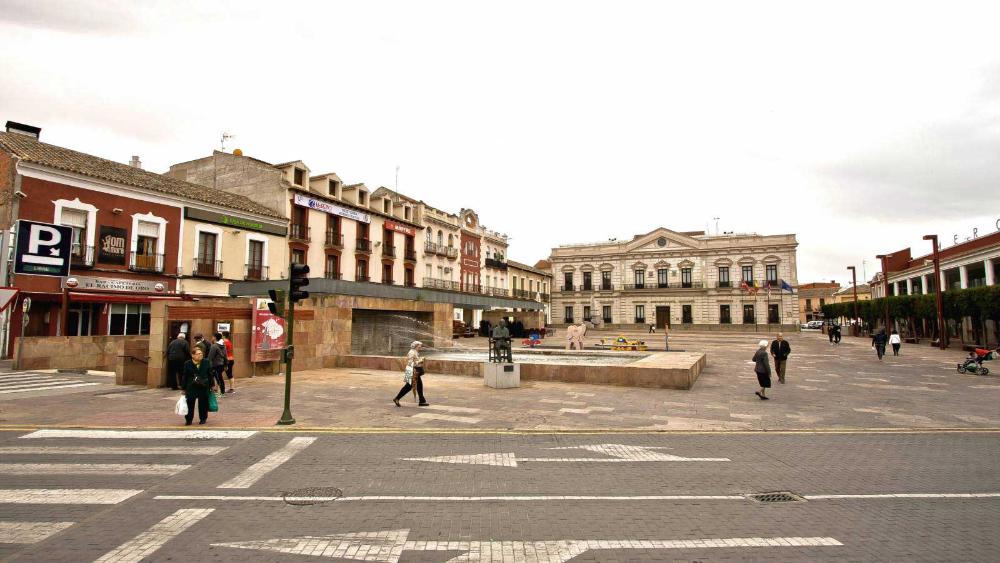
(916, 315)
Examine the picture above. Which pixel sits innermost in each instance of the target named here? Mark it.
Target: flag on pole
(785, 285)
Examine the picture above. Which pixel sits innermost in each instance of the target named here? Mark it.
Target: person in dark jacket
(197, 384)
(217, 359)
(178, 352)
(201, 343)
(763, 370)
(878, 342)
(780, 349)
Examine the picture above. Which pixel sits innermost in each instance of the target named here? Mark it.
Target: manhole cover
(782, 496)
(311, 495)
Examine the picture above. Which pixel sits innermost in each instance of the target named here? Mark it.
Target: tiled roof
(527, 268)
(29, 149)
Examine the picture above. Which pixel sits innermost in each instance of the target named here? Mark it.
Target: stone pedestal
(501, 376)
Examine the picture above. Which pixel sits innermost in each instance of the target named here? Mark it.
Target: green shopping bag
(213, 402)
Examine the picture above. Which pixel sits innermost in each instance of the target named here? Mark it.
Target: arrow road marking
(146, 543)
(255, 472)
(388, 546)
(620, 453)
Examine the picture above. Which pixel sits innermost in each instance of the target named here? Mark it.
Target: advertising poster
(268, 334)
(111, 245)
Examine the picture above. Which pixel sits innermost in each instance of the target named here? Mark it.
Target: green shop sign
(236, 222)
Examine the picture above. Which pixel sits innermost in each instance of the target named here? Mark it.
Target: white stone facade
(684, 272)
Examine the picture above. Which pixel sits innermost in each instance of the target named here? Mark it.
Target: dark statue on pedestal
(500, 344)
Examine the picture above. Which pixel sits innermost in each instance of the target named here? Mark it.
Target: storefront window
(128, 319)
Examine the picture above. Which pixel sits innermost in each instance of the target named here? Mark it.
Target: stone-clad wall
(98, 353)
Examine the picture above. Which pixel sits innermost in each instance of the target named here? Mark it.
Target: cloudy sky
(858, 126)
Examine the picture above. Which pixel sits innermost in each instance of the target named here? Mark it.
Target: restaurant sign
(325, 207)
(111, 245)
(394, 226)
(234, 222)
(112, 284)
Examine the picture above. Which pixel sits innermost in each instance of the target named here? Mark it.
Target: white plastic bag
(181, 408)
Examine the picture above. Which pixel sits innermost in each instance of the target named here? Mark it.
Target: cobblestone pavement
(828, 387)
(94, 495)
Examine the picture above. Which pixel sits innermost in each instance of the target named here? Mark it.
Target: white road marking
(146, 543)
(587, 410)
(89, 469)
(29, 532)
(255, 472)
(87, 450)
(7, 384)
(47, 387)
(448, 417)
(561, 402)
(620, 453)
(66, 496)
(15, 377)
(904, 495)
(143, 434)
(388, 546)
(446, 408)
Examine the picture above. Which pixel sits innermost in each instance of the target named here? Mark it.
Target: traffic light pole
(286, 416)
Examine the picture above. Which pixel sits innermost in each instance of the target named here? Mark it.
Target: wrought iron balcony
(410, 254)
(607, 320)
(723, 284)
(363, 245)
(496, 264)
(638, 286)
(207, 268)
(332, 275)
(146, 262)
(566, 288)
(299, 232)
(334, 238)
(640, 320)
(607, 287)
(82, 256)
(388, 250)
(362, 278)
(255, 272)
(434, 283)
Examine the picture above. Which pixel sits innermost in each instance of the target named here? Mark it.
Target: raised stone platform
(667, 370)
(501, 375)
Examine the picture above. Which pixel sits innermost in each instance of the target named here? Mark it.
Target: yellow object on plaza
(623, 344)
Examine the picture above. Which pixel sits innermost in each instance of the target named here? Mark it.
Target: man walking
(178, 352)
(217, 359)
(878, 343)
(200, 342)
(780, 350)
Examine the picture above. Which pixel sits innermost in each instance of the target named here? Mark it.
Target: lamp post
(937, 291)
(885, 280)
(854, 284)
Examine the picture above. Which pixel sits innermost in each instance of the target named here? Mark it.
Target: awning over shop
(119, 298)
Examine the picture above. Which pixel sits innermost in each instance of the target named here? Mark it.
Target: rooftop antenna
(222, 142)
(397, 178)
(716, 225)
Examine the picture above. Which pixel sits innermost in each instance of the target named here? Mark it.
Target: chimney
(22, 129)
(135, 163)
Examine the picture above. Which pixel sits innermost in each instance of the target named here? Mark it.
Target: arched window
(450, 240)
(440, 237)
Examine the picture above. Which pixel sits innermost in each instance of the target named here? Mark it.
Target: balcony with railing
(207, 268)
(440, 249)
(388, 281)
(496, 264)
(362, 278)
(299, 232)
(568, 320)
(544, 297)
(146, 262)
(607, 287)
(493, 291)
(638, 286)
(662, 285)
(451, 252)
(331, 275)
(607, 320)
(410, 254)
(692, 285)
(255, 272)
(587, 287)
(435, 283)
(334, 239)
(566, 288)
(363, 245)
(388, 251)
(724, 284)
(640, 320)
(82, 256)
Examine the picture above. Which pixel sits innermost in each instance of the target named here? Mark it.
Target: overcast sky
(858, 126)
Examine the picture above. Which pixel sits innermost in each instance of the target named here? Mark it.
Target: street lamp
(937, 291)
(854, 284)
(885, 280)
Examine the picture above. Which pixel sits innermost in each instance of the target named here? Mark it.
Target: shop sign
(234, 222)
(223, 327)
(111, 245)
(325, 207)
(43, 249)
(112, 284)
(268, 333)
(394, 226)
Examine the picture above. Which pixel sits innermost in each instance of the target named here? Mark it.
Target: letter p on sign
(43, 249)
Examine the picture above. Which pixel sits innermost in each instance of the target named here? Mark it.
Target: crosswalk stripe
(85, 450)
(255, 472)
(23, 378)
(46, 388)
(146, 543)
(448, 417)
(36, 383)
(90, 469)
(66, 496)
(141, 434)
(29, 532)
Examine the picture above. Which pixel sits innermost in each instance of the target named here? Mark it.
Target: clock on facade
(662, 241)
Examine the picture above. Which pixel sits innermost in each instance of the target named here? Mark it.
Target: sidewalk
(829, 387)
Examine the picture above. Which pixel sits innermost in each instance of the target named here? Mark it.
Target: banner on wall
(268, 334)
(332, 209)
(111, 245)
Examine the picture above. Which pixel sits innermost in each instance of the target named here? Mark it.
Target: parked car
(812, 325)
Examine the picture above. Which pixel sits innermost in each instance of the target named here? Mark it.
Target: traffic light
(277, 304)
(299, 278)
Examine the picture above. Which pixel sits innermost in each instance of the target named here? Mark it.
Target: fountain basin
(666, 370)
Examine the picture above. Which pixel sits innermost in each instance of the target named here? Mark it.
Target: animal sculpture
(574, 336)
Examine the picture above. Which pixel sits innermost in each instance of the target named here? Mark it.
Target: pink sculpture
(574, 336)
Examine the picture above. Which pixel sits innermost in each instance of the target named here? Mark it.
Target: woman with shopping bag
(413, 374)
(198, 384)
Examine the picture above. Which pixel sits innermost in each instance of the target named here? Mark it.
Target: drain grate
(311, 495)
(779, 496)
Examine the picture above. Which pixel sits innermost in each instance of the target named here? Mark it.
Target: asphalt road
(92, 495)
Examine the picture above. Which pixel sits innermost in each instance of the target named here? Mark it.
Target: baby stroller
(974, 363)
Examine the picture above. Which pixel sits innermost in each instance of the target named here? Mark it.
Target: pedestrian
(229, 361)
(200, 342)
(197, 384)
(217, 360)
(763, 370)
(666, 338)
(652, 328)
(896, 342)
(413, 375)
(836, 334)
(829, 332)
(878, 343)
(780, 349)
(178, 352)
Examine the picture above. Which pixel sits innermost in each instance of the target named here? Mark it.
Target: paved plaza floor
(828, 387)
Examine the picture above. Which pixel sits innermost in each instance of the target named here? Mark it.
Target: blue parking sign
(43, 249)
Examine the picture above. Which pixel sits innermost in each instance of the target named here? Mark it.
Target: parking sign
(43, 249)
